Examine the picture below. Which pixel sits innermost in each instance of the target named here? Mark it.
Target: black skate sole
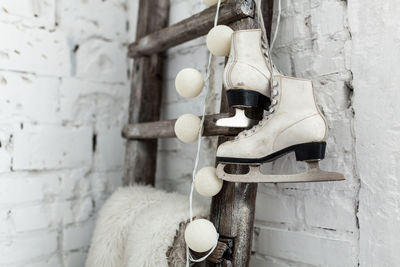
(304, 152)
(247, 98)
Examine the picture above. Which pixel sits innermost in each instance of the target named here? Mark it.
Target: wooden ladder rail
(232, 210)
(145, 98)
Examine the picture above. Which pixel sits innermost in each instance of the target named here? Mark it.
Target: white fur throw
(136, 226)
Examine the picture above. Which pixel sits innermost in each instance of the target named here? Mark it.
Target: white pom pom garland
(187, 128)
(207, 183)
(201, 235)
(219, 40)
(189, 83)
(189, 238)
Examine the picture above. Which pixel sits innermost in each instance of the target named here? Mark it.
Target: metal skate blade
(313, 174)
(238, 121)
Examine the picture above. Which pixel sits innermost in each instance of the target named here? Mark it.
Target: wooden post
(145, 99)
(233, 209)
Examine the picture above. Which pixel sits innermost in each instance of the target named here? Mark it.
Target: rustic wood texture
(191, 28)
(223, 248)
(219, 252)
(268, 12)
(145, 99)
(164, 129)
(233, 209)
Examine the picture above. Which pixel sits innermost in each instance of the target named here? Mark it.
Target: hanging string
(264, 33)
(196, 162)
(278, 21)
(262, 25)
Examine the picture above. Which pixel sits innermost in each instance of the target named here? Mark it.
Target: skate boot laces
(266, 51)
(267, 115)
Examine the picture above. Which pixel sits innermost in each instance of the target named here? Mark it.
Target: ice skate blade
(313, 174)
(238, 121)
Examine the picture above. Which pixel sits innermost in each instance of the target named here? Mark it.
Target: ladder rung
(164, 129)
(190, 28)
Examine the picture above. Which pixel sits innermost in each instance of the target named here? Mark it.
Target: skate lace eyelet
(274, 92)
(271, 110)
(274, 102)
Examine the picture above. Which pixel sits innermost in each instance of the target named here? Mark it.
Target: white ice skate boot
(293, 124)
(247, 77)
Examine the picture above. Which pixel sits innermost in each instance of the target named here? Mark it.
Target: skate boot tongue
(266, 116)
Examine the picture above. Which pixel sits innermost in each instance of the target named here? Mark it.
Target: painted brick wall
(63, 100)
(376, 49)
(64, 86)
(312, 224)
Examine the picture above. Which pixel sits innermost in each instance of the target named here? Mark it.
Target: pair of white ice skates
(293, 122)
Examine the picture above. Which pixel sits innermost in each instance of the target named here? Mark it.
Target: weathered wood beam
(233, 209)
(268, 13)
(165, 129)
(145, 99)
(190, 28)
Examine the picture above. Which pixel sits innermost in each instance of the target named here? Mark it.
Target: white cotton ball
(201, 235)
(207, 183)
(219, 40)
(189, 83)
(212, 2)
(187, 128)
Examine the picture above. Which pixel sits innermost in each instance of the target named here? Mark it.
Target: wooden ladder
(232, 210)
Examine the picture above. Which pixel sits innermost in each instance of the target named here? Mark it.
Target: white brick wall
(63, 100)
(64, 90)
(376, 78)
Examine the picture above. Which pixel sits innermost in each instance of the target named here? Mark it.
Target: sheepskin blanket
(137, 226)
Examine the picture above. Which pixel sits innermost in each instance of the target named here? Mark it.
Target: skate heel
(247, 98)
(310, 151)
